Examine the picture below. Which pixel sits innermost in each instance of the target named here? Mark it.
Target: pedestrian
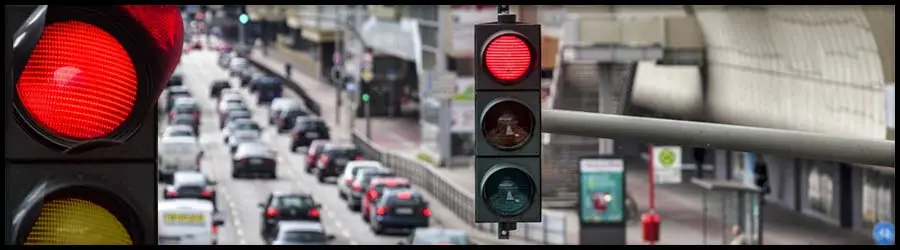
(739, 236)
(287, 71)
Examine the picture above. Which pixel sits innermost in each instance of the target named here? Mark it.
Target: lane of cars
(386, 202)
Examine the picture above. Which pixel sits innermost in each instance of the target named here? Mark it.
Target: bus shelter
(731, 210)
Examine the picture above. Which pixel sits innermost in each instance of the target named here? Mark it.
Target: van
(187, 222)
(179, 153)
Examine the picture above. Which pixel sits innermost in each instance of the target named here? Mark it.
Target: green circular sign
(666, 157)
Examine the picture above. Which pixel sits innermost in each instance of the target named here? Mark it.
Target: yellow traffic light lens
(71, 221)
(507, 124)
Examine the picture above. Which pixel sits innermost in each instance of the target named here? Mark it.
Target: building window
(877, 199)
(429, 60)
(424, 12)
(429, 35)
(820, 188)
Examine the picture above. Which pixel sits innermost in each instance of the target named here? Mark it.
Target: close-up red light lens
(508, 57)
(79, 82)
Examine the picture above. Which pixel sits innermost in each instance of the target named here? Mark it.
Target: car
(215, 89)
(334, 159)
(307, 129)
(316, 148)
(187, 120)
(253, 77)
(403, 209)
(190, 185)
(179, 131)
(173, 93)
(239, 137)
(233, 115)
(252, 158)
(286, 118)
(224, 59)
(360, 182)
(266, 89)
(229, 99)
(287, 206)
(377, 188)
(345, 181)
(245, 76)
(185, 106)
(302, 233)
(178, 153)
(187, 222)
(437, 236)
(280, 104)
(237, 64)
(240, 125)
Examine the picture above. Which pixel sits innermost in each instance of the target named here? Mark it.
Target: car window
(186, 109)
(343, 152)
(180, 133)
(184, 122)
(246, 126)
(301, 201)
(294, 113)
(303, 236)
(356, 170)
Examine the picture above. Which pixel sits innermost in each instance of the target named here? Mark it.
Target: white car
(237, 64)
(179, 131)
(229, 99)
(187, 222)
(346, 178)
(178, 153)
(239, 137)
(239, 125)
(281, 104)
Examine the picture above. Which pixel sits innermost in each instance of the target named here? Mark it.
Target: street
(238, 199)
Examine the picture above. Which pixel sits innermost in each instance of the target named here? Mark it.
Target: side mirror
(219, 222)
(401, 243)
(330, 237)
(261, 205)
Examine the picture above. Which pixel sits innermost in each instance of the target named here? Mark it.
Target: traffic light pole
(721, 136)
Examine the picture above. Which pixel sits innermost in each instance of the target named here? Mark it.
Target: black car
(286, 206)
(307, 129)
(217, 86)
(361, 182)
(189, 120)
(245, 75)
(175, 92)
(403, 209)
(286, 119)
(253, 158)
(266, 89)
(234, 115)
(334, 159)
(191, 185)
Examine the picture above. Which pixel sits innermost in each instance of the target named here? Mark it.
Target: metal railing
(552, 229)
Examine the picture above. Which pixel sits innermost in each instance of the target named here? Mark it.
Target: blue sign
(602, 191)
(883, 234)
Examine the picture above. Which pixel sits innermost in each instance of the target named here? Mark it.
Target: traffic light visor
(79, 82)
(507, 124)
(508, 57)
(78, 216)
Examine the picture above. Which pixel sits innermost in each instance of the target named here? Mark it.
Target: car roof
(188, 177)
(179, 139)
(179, 127)
(280, 193)
(339, 145)
(364, 163)
(254, 148)
(185, 203)
(394, 191)
(242, 120)
(179, 89)
(319, 141)
(238, 112)
(185, 100)
(231, 96)
(400, 180)
(301, 226)
(439, 231)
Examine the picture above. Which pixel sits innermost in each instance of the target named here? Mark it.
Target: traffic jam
(205, 123)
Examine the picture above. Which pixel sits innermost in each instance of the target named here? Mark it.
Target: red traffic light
(94, 72)
(508, 57)
(79, 83)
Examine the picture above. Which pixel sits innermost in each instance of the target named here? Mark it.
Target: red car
(376, 189)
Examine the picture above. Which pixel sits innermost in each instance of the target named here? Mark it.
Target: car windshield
(185, 109)
(246, 126)
(304, 236)
(302, 201)
(356, 170)
(184, 122)
(180, 133)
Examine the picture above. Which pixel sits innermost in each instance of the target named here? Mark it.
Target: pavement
(238, 199)
(680, 206)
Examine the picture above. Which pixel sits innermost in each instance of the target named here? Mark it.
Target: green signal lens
(508, 190)
(244, 18)
(365, 97)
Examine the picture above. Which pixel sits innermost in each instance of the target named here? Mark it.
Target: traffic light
(244, 18)
(508, 101)
(80, 125)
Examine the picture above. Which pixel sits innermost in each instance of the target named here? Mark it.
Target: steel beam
(720, 136)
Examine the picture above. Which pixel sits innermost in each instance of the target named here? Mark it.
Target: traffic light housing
(508, 101)
(80, 127)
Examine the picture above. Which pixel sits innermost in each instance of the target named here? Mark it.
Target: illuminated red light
(404, 196)
(79, 82)
(508, 57)
(164, 24)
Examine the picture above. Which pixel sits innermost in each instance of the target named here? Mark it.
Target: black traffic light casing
(522, 162)
(117, 172)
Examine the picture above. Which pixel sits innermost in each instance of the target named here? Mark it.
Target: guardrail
(551, 231)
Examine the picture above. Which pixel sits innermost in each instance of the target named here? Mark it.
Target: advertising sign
(602, 190)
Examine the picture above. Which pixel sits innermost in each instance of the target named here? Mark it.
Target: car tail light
(171, 193)
(206, 193)
(215, 229)
(313, 213)
(508, 58)
(373, 195)
(358, 158)
(349, 182)
(324, 160)
(381, 210)
(271, 212)
(357, 187)
(426, 212)
(196, 115)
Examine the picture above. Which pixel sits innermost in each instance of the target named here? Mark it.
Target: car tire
(376, 229)
(320, 178)
(309, 170)
(342, 195)
(365, 218)
(293, 149)
(235, 175)
(273, 176)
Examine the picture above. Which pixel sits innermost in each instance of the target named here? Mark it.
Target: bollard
(650, 225)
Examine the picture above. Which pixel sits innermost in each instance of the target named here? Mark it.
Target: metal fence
(552, 229)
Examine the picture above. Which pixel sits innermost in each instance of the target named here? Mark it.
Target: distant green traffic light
(365, 97)
(244, 18)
